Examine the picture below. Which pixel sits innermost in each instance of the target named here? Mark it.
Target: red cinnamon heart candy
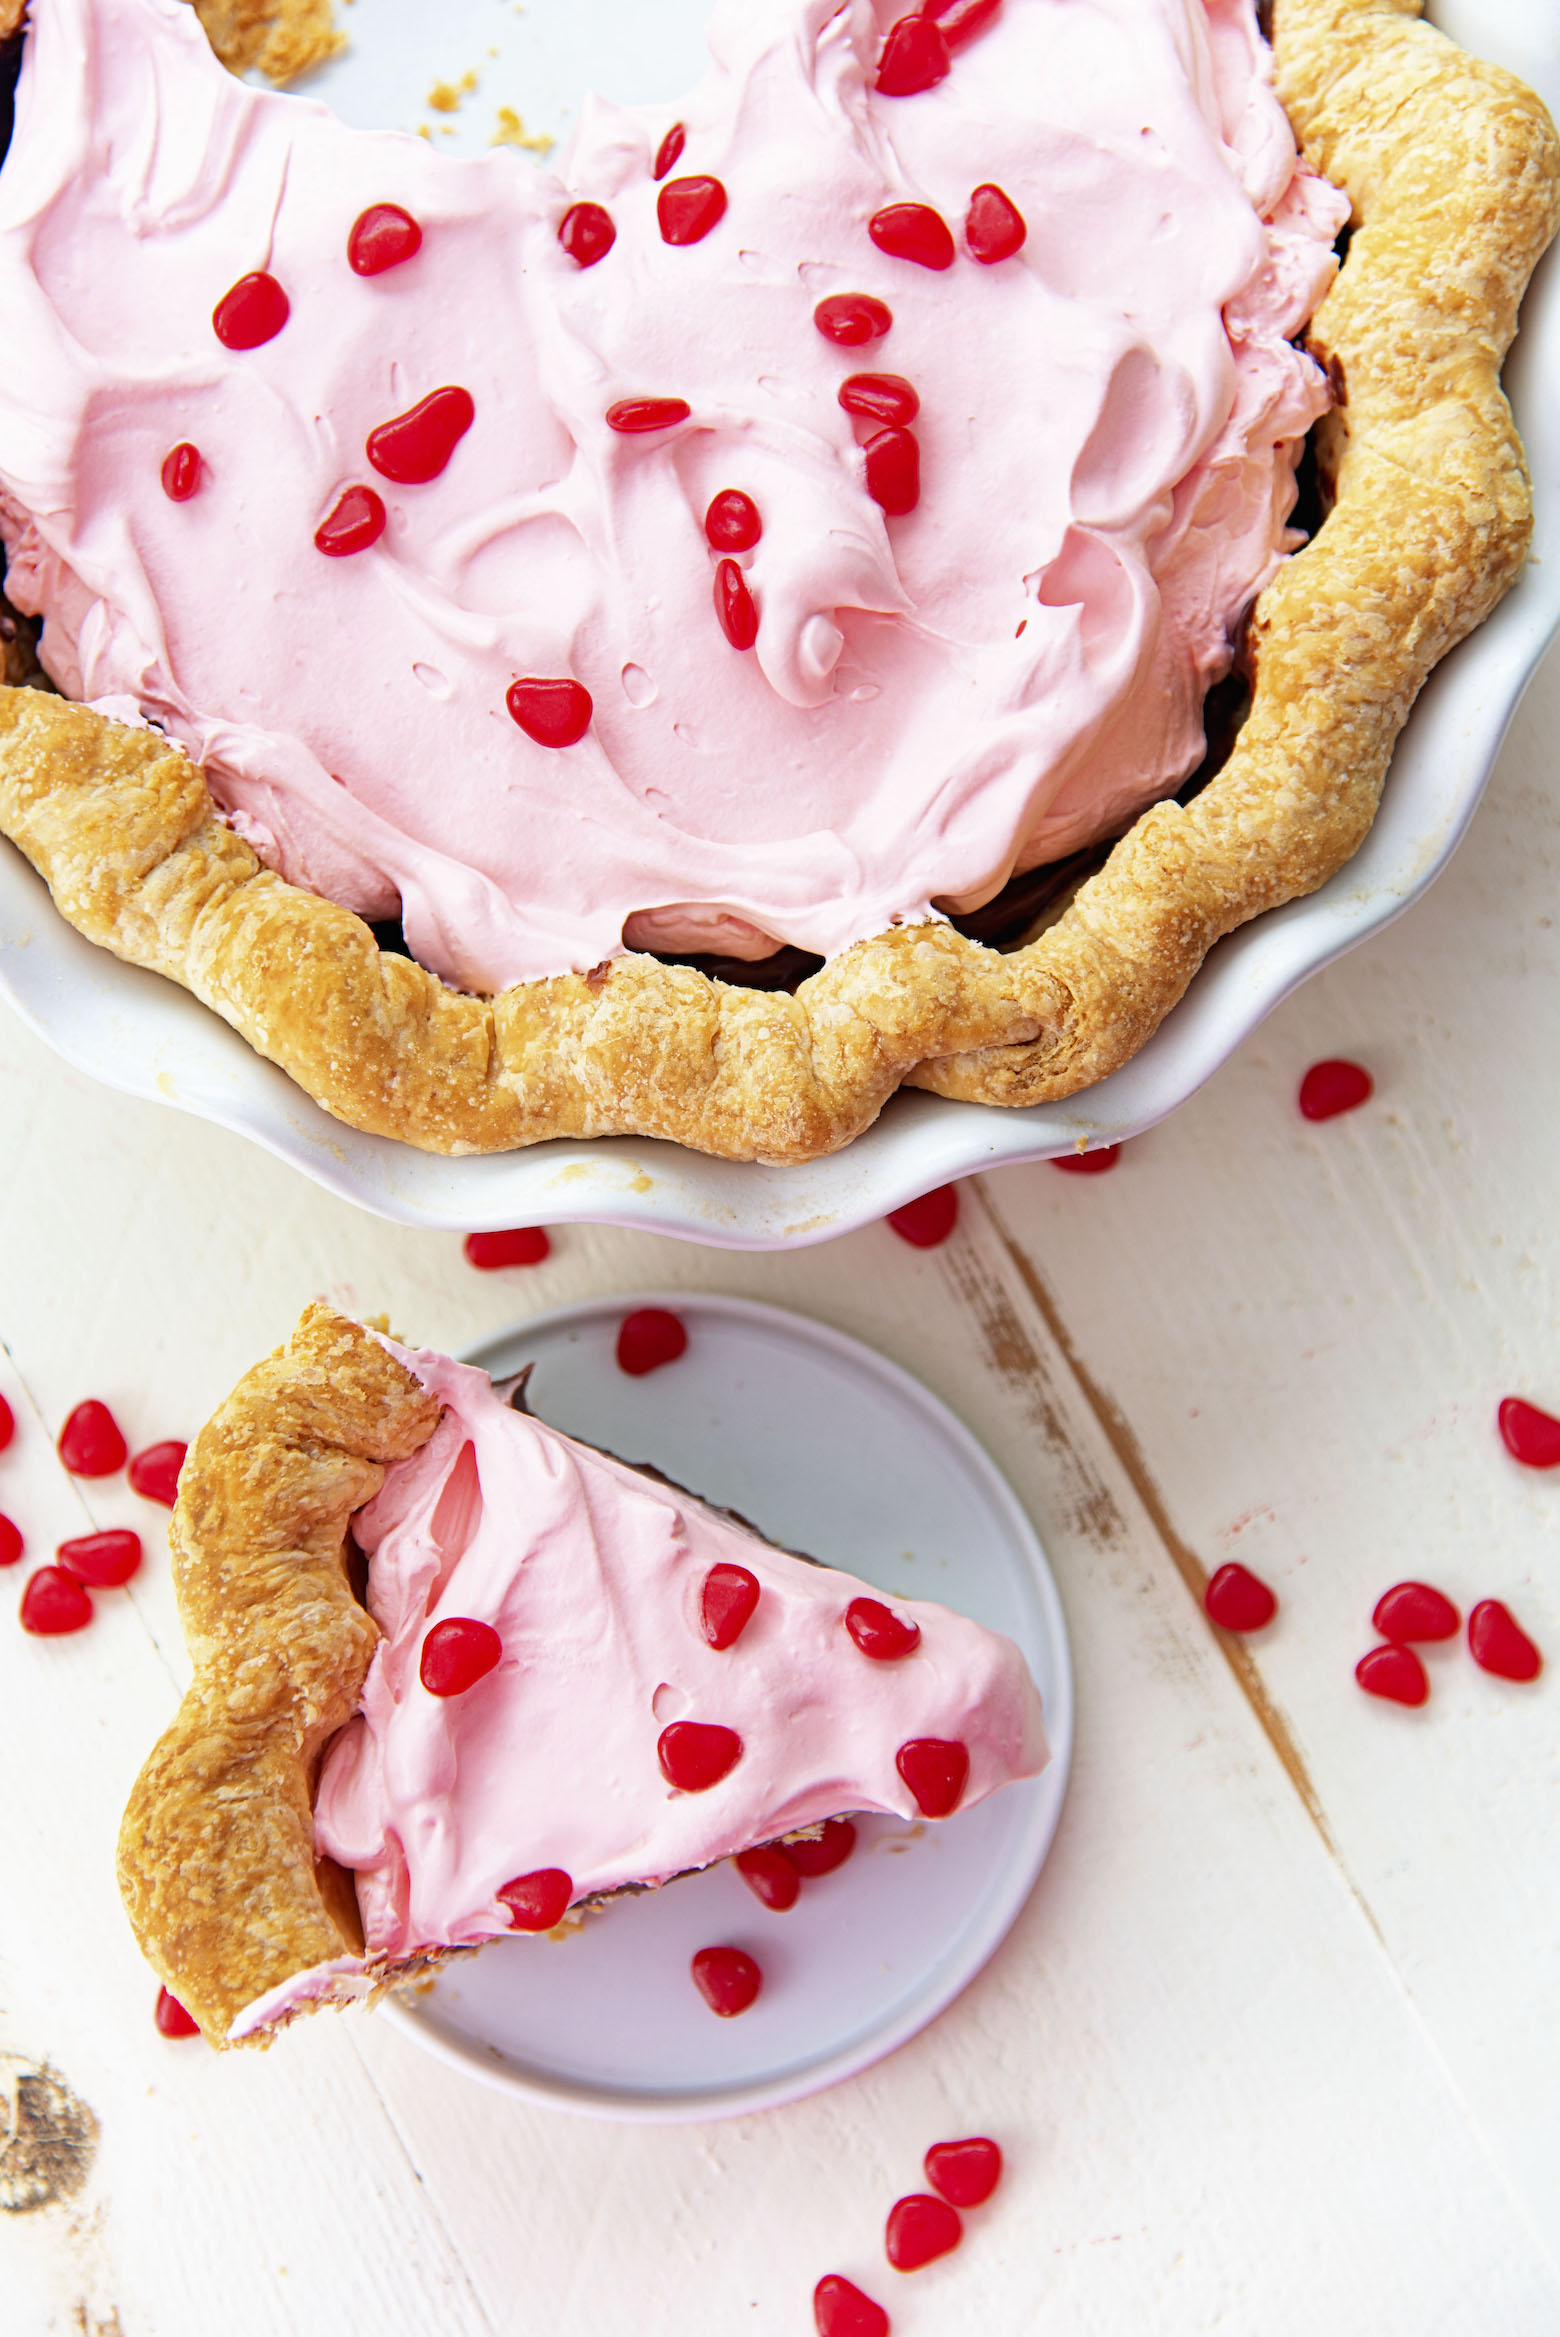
(649, 1337)
(1088, 1164)
(354, 523)
(735, 606)
(587, 233)
(90, 1442)
(920, 2229)
(416, 446)
(512, 1245)
(1530, 1436)
(456, 1654)
(892, 459)
(11, 1543)
(966, 2173)
(732, 522)
(250, 312)
(841, 2309)
(1238, 1600)
(915, 57)
(820, 1854)
(172, 2019)
(879, 1632)
(925, 1223)
(696, 1754)
(727, 1978)
(912, 231)
(632, 417)
(1333, 1087)
(936, 1769)
(669, 152)
(54, 1602)
(770, 1877)
(994, 226)
(851, 318)
(551, 709)
(686, 209)
(1394, 1673)
(538, 1901)
(1415, 1610)
(1498, 1643)
(154, 1473)
(384, 236)
(106, 1560)
(180, 472)
(7, 1424)
(726, 1604)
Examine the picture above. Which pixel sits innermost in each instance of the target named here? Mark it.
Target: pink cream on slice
(593, 1577)
(1103, 465)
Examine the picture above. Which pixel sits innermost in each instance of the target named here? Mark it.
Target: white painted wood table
(1273, 2051)
(1274, 2048)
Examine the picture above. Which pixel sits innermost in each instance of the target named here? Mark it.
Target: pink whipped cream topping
(592, 1577)
(1107, 430)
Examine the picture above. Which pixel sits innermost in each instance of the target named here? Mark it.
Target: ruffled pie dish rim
(218, 1865)
(1452, 168)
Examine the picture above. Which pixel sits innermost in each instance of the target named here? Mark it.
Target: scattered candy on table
(1415, 1610)
(1530, 1436)
(1395, 1674)
(106, 1561)
(1238, 1600)
(1333, 1087)
(53, 1603)
(154, 1473)
(925, 1223)
(90, 1442)
(1088, 1164)
(965, 2173)
(1498, 1643)
(841, 2309)
(172, 2019)
(920, 2229)
(515, 1245)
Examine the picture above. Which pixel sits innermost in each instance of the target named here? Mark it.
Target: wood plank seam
(1242, 1665)
(1123, 1443)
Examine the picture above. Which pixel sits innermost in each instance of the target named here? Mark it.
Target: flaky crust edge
(216, 1861)
(1453, 170)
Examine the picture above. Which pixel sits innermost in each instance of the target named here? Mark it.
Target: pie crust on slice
(1452, 169)
(656, 1687)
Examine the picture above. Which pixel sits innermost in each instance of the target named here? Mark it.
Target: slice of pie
(518, 611)
(570, 1678)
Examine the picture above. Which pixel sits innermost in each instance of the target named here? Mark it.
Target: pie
(570, 1678)
(517, 616)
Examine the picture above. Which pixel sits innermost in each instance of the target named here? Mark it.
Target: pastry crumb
(512, 131)
(445, 96)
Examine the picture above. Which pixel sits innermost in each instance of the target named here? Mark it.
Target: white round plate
(137, 1032)
(829, 1449)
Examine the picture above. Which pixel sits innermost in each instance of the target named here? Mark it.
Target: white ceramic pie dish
(141, 1034)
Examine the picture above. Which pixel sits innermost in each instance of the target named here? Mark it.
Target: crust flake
(1453, 168)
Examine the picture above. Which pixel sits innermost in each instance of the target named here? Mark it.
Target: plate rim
(1004, 1904)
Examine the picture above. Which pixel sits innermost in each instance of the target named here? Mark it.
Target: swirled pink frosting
(591, 1574)
(1108, 429)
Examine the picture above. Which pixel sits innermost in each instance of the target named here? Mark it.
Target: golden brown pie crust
(1453, 169)
(216, 1853)
(283, 37)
